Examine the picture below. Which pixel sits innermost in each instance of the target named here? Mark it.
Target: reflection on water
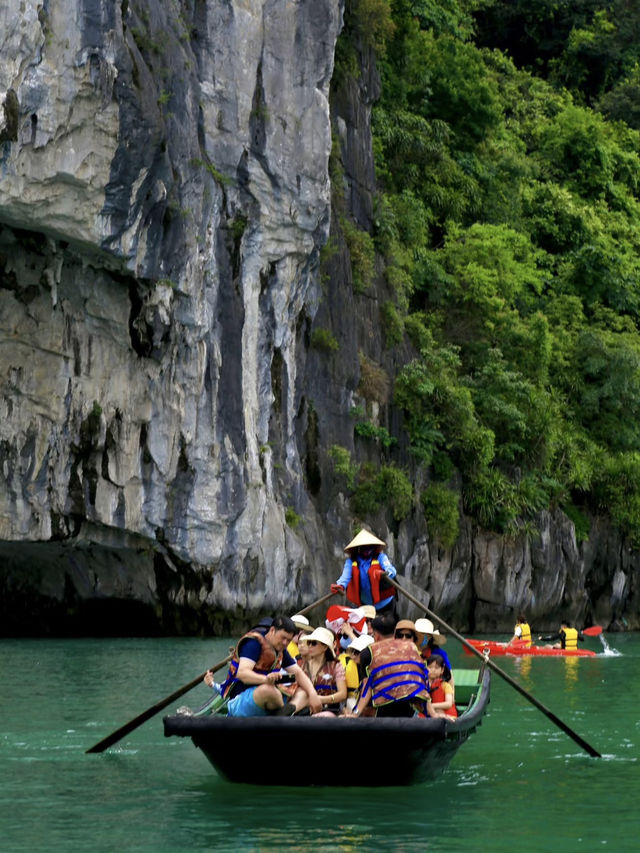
(523, 668)
(571, 670)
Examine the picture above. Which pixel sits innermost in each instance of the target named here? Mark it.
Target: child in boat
(441, 701)
(353, 653)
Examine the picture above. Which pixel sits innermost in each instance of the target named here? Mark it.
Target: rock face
(164, 422)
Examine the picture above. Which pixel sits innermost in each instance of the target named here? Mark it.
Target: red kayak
(520, 648)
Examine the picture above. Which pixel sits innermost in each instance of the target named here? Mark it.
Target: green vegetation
(324, 339)
(442, 513)
(292, 518)
(507, 151)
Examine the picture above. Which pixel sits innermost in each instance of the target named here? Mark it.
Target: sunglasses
(404, 635)
(312, 642)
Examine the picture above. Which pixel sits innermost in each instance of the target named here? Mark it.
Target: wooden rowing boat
(386, 751)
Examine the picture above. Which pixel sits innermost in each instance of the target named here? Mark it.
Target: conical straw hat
(364, 538)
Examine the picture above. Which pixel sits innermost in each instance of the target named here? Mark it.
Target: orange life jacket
(377, 578)
(438, 695)
(268, 661)
(396, 672)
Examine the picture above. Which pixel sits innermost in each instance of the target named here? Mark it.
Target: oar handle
(565, 728)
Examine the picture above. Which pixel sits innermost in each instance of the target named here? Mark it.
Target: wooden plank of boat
(414, 749)
(520, 649)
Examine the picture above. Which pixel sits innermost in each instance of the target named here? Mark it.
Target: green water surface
(519, 784)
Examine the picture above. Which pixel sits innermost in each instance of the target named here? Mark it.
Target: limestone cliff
(164, 420)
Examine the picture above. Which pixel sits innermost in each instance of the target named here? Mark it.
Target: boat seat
(466, 685)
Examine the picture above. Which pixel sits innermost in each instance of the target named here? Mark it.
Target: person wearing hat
(303, 626)
(365, 573)
(406, 630)
(325, 672)
(396, 685)
(355, 669)
(430, 640)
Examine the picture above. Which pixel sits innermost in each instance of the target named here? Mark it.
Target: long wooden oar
(558, 722)
(114, 737)
(109, 740)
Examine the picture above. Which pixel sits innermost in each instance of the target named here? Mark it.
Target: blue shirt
(364, 564)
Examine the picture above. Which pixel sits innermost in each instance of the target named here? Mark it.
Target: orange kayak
(519, 648)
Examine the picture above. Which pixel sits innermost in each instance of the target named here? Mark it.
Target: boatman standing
(258, 659)
(366, 572)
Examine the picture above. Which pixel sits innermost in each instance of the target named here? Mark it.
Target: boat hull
(494, 648)
(261, 750)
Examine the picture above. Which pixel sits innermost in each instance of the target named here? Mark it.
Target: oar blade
(593, 631)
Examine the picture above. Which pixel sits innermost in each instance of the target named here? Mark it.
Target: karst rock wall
(164, 421)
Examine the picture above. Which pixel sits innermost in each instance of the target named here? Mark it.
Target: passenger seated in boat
(397, 680)
(352, 676)
(303, 627)
(441, 701)
(406, 630)
(325, 672)
(254, 671)
(522, 632)
(567, 637)
(354, 654)
(431, 641)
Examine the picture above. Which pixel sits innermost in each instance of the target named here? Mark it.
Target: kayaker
(567, 637)
(365, 572)
(250, 686)
(397, 678)
(522, 632)
(441, 701)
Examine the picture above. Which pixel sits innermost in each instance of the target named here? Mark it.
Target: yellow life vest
(525, 634)
(570, 638)
(351, 673)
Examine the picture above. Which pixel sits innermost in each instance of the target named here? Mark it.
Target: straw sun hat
(324, 636)
(425, 626)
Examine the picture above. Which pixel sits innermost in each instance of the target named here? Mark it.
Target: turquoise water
(518, 784)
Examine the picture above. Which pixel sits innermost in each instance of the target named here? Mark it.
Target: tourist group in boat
(364, 661)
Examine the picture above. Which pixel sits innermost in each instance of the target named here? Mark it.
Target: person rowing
(567, 637)
(365, 574)
(521, 632)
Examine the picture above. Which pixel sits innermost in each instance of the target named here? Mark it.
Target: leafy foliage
(508, 225)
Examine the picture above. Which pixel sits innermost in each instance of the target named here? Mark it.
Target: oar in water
(114, 737)
(554, 719)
